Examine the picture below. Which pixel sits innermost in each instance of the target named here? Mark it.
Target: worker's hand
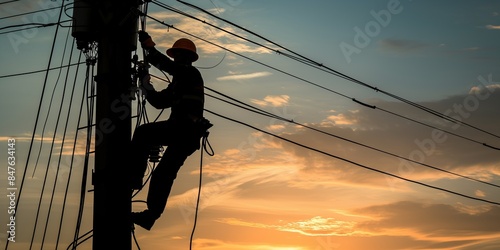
(146, 40)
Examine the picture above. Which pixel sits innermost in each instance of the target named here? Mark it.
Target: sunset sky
(262, 192)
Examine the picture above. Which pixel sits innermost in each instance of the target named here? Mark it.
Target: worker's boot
(145, 219)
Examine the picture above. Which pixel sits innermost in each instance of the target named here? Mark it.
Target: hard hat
(186, 45)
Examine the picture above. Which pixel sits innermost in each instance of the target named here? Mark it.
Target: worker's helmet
(185, 45)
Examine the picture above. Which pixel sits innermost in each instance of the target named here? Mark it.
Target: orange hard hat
(185, 45)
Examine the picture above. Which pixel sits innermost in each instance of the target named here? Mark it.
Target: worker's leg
(145, 137)
(163, 177)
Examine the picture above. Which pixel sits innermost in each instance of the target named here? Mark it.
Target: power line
(40, 25)
(300, 58)
(259, 111)
(49, 108)
(11, 1)
(317, 85)
(47, 168)
(28, 13)
(72, 154)
(41, 70)
(89, 90)
(353, 162)
(36, 119)
(62, 140)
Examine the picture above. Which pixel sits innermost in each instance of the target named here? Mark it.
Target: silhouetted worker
(181, 133)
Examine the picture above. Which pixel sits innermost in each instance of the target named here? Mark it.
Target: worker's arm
(161, 61)
(160, 100)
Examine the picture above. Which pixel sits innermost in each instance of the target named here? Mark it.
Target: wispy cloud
(431, 222)
(223, 245)
(316, 226)
(273, 101)
(237, 77)
(493, 27)
(164, 37)
(57, 141)
(401, 45)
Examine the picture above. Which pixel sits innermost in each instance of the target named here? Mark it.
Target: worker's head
(183, 50)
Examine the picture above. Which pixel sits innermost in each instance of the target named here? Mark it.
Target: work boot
(145, 219)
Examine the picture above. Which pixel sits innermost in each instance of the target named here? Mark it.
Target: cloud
(165, 37)
(273, 101)
(211, 244)
(478, 90)
(244, 76)
(480, 193)
(492, 27)
(316, 226)
(433, 222)
(57, 141)
(401, 45)
(341, 119)
(427, 224)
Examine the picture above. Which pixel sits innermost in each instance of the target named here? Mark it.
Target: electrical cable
(90, 115)
(135, 240)
(11, 1)
(314, 84)
(36, 120)
(40, 71)
(49, 108)
(353, 162)
(310, 62)
(256, 110)
(56, 178)
(317, 85)
(38, 25)
(50, 150)
(76, 243)
(28, 13)
(204, 144)
(84, 179)
(72, 154)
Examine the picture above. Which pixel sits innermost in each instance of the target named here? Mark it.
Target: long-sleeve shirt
(185, 95)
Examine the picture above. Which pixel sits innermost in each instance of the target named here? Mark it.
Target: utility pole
(113, 24)
(112, 192)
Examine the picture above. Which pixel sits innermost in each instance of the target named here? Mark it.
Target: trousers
(181, 140)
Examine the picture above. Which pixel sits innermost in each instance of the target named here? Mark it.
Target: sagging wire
(72, 154)
(61, 146)
(318, 85)
(248, 107)
(351, 162)
(90, 53)
(37, 117)
(303, 59)
(205, 146)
